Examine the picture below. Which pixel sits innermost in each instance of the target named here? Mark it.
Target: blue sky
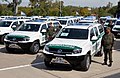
(83, 3)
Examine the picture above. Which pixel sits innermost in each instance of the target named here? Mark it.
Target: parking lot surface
(23, 65)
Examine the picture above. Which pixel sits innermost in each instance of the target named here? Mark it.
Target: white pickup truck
(9, 25)
(75, 45)
(6, 27)
(29, 37)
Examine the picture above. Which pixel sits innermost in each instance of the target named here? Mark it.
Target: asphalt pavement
(23, 65)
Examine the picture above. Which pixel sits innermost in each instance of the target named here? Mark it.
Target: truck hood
(63, 26)
(3, 29)
(22, 34)
(68, 42)
(116, 26)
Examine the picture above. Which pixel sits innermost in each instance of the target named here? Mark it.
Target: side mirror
(14, 26)
(94, 38)
(43, 31)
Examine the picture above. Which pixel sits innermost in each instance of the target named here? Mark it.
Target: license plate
(58, 60)
(14, 46)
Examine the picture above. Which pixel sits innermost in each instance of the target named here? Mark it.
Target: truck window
(44, 26)
(96, 31)
(100, 29)
(92, 33)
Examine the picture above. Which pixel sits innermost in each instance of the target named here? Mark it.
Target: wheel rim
(36, 47)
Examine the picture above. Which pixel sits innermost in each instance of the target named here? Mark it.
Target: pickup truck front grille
(15, 39)
(117, 29)
(60, 51)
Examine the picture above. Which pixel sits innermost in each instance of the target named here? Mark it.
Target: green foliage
(26, 10)
(113, 10)
(85, 11)
(52, 8)
(5, 10)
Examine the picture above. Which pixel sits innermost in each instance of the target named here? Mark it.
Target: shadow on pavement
(117, 75)
(96, 62)
(60, 67)
(16, 51)
(117, 45)
(3, 50)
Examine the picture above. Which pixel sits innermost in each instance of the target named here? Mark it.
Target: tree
(102, 12)
(113, 11)
(40, 6)
(5, 10)
(109, 5)
(52, 8)
(13, 5)
(84, 11)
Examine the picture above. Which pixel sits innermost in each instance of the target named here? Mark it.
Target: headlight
(46, 48)
(6, 37)
(114, 29)
(27, 38)
(75, 51)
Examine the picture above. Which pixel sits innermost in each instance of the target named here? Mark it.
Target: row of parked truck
(75, 44)
(28, 34)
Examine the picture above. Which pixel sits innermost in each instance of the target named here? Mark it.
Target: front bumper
(116, 33)
(70, 59)
(20, 45)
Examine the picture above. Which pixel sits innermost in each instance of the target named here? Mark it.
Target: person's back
(110, 24)
(50, 33)
(58, 29)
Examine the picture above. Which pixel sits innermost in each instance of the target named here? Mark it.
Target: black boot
(110, 64)
(105, 63)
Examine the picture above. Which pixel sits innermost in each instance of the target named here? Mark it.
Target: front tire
(84, 64)
(35, 47)
(47, 63)
(9, 49)
(2, 39)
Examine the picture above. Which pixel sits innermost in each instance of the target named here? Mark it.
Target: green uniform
(110, 25)
(50, 33)
(107, 43)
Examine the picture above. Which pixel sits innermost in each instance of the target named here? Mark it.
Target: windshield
(62, 22)
(104, 19)
(110, 20)
(29, 27)
(71, 33)
(86, 22)
(5, 23)
(118, 23)
(40, 20)
(81, 24)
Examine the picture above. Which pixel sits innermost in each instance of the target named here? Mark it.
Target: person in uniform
(50, 32)
(110, 24)
(58, 28)
(107, 43)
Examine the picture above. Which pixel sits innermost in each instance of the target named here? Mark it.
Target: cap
(108, 28)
